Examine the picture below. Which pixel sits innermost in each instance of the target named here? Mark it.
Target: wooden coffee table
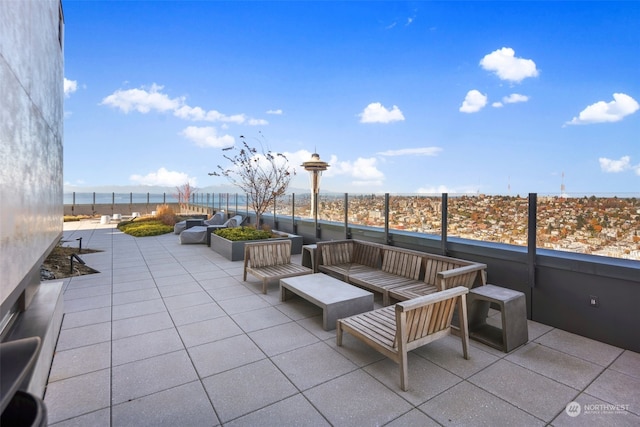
(336, 298)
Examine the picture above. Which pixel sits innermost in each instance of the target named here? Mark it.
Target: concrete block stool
(513, 307)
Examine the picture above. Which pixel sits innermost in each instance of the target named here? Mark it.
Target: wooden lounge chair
(400, 328)
(271, 260)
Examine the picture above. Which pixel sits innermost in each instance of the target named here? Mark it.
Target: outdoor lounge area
(169, 334)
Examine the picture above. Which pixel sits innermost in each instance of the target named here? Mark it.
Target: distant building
(31, 182)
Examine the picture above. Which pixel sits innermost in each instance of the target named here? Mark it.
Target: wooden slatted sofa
(396, 330)
(271, 260)
(396, 273)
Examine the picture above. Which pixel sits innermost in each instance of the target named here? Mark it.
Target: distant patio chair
(216, 219)
(202, 233)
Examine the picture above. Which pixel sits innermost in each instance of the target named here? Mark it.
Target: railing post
(347, 233)
(294, 226)
(387, 236)
(113, 202)
(445, 223)
(532, 232)
(275, 218)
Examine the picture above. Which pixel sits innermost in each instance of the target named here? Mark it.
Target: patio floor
(169, 334)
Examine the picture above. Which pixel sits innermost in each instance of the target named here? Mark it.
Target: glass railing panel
(605, 225)
(416, 213)
(282, 206)
(489, 218)
(331, 207)
(366, 209)
(302, 206)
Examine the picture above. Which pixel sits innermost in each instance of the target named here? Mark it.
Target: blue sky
(398, 97)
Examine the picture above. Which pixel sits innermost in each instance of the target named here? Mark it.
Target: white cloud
(515, 98)
(257, 122)
(366, 169)
(142, 100)
(363, 171)
(511, 99)
(197, 114)
(277, 112)
(207, 136)
(70, 86)
(422, 151)
(506, 66)
(603, 112)
(377, 113)
(164, 177)
(145, 100)
(615, 166)
(473, 102)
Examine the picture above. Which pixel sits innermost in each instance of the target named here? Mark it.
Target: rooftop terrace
(170, 335)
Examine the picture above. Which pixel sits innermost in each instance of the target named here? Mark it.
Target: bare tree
(185, 191)
(261, 175)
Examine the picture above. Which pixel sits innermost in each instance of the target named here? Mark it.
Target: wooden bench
(396, 330)
(400, 267)
(271, 260)
(396, 273)
(442, 273)
(341, 258)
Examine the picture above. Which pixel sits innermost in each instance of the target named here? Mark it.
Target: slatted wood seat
(396, 273)
(271, 260)
(400, 267)
(396, 330)
(341, 258)
(453, 273)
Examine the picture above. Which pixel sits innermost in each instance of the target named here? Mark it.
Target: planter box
(234, 251)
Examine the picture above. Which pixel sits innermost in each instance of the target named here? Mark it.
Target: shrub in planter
(229, 242)
(237, 234)
(145, 227)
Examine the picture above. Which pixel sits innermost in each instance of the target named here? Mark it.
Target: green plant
(243, 233)
(144, 227)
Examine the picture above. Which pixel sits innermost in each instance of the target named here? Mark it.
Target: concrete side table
(513, 308)
(309, 256)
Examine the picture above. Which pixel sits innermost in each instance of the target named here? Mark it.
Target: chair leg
(264, 286)
(339, 333)
(404, 374)
(385, 298)
(464, 326)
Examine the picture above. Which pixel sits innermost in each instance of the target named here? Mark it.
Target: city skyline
(398, 97)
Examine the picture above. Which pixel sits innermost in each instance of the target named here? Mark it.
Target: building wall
(31, 136)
